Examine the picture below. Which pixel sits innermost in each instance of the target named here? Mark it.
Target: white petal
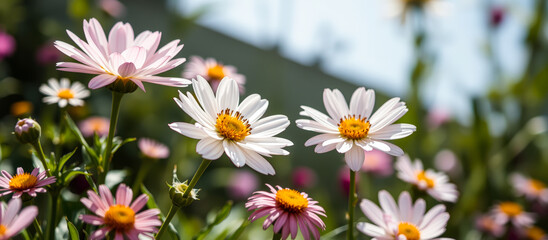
(335, 104)
(394, 131)
(320, 117)
(228, 94)
(258, 163)
(354, 158)
(321, 138)
(270, 126)
(210, 148)
(188, 130)
(234, 152)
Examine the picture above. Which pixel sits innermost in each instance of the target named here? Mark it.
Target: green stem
(351, 200)
(38, 229)
(143, 172)
(59, 138)
(276, 236)
(40, 152)
(116, 99)
(50, 234)
(172, 211)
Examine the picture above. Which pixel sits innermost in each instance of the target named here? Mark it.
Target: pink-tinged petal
(123, 195)
(76, 54)
(139, 202)
(22, 221)
(100, 233)
(6, 174)
(101, 81)
(20, 171)
(406, 209)
(11, 211)
(117, 40)
(95, 34)
(126, 69)
(388, 204)
(372, 212)
(281, 221)
(92, 219)
(136, 55)
(293, 227)
(138, 83)
(166, 81)
(106, 195)
(118, 236)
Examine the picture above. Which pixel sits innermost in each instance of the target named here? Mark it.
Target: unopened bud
(27, 130)
(177, 194)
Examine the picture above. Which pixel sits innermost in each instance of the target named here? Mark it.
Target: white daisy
(531, 188)
(434, 183)
(212, 71)
(351, 130)
(505, 212)
(399, 8)
(63, 93)
(402, 221)
(223, 124)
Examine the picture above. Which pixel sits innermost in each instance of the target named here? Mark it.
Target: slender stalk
(52, 223)
(38, 229)
(40, 152)
(351, 200)
(116, 99)
(172, 211)
(143, 172)
(59, 138)
(276, 236)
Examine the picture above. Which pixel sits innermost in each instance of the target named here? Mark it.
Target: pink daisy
(22, 182)
(505, 212)
(122, 56)
(532, 189)
(119, 214)
(12, 221)
(212, 71)
(486, 223)
(153, 149)
(288, 210)
(93, 125)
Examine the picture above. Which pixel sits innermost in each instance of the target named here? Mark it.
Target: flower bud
(27, 131)
(177, 192)
(123, 86)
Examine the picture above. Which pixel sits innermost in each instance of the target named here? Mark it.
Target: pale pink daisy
(224, 124)
(64, 93)
(94, 125)
(352, 129)
(22, 182)
(212, 71)
(288, 211)
(121, 57)
(436, 184)
(378, 163)
(153, 149)
(487, 224)
(241, 184)
(13, 221)
(404, 220)
(120, 214)
(505, 212)
(532, 189)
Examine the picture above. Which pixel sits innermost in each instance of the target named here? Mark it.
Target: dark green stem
(143, 172)
(172, 211)
(276, 236)
(116, 99)
(52, 223)
(351, 201)
(40, 152)
(38, 229)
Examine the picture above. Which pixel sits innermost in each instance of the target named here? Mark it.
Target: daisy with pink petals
(121, 57)
(120, 214)
(404, 220)
(22, 182)
(12, 221)
(288, 210)
(506, 212)
(212, 71)
(153, 149)
(532, 189)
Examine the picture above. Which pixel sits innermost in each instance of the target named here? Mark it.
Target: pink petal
(101, 81)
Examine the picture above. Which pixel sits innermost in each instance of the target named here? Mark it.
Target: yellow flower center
(291, 201)
(354, 128)
(120, 217)
(537, 185)
(232, 127)
(421, 176)
(23, 181)
(510, 208)
(3, 230)
(216, 72)
(65, 93)
(409, 231)
(535, 233)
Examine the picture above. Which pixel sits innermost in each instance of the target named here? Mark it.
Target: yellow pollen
(537, 185)
(409, 231)
(3, 230)
(510, 208)
(65, 93)
(232, 125)
(216, 72)
(120, 217)
(354, 128)
(23, 181)
(421, 176)
(291, 201)
(535, 233)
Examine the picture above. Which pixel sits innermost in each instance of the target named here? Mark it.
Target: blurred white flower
(64, 93)
(212, 71)
(532, 189)
(505, 212)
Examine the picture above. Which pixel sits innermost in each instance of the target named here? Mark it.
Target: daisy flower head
(403, 220)
(13, 221)
(352, 129)
(288, 211)
(22, 182)
(400, 8)
(505, 212)
(122, 61)
(224, 124)
(486, 223)
(436, 184)
(534, 233)
(153, 149)
(64, 93)
(212, 71)
(531, 188)
(120, 214)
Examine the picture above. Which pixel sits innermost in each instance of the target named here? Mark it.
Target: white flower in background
(64, 93)
(399, 8)
(351, 130)
(505, 212)
(436, 184)
(404, 220)
(532, 189)
(223, 124)
(212, 71)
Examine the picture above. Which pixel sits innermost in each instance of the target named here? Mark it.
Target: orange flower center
(291, 201)
(354, 128)
(535, 233)
(409, 231)
(510, 208)
(23, 181)
(3, 230)
(537, 185)
(120, 217)
(232, 127)
(216, 72)
(421, 176)
(65, 93)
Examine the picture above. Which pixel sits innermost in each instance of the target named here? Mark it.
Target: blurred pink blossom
(7, 45)
(497, 15)
(114, 8)
(378, 162)
(241, 184)
(437, 116)
(153, 149)
(446, 161)
(303, 177)
(487, 224)
(48, 54)
(344, 180)
(94, 125)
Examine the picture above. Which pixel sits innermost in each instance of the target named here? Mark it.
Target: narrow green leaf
(117, 144)
(236, 235)
(221, 215)
(65, 158)
(76, 131)
(73, 232)
(91, 182)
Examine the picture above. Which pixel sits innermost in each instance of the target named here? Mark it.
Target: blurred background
(474, 74)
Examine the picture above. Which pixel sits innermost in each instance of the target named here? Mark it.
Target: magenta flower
(288, 210)
(120, 215)
(241, 184)
(7, 45)
(153, 149)
(121, 56)
(303, 177)
(12, 221)
(22, 182)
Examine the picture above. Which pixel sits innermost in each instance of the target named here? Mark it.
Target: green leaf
(221, 215)
(74, 129)
(65, 158)
(68, 175)
(73, 232)
(117, 144)
(236, 235)
(91, 183)
(152, 204)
